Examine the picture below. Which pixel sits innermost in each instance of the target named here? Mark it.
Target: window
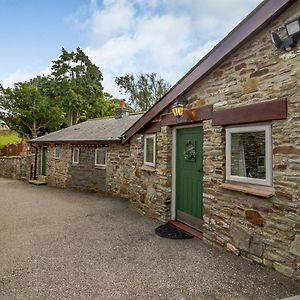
(75, 156)
(249, 154)
(100, 157)
(149, 150)
(57, 153)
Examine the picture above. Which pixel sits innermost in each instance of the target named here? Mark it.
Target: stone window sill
(100, 167)
(75, 165)
(256, 190)
(147, 168)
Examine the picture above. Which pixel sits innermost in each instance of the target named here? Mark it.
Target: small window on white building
(249, 154)
(100, 157)
(149, 150)
(57, 153)
(75, 156)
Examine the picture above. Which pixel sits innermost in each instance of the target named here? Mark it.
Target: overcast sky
(167, 37)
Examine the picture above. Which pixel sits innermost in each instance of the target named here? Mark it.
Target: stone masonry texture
(16, 167)
(83, 176)
(266, 231)
(148, 188)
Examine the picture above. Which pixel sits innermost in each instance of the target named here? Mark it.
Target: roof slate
(102, 129)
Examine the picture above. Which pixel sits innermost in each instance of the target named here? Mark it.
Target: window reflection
(248, 154)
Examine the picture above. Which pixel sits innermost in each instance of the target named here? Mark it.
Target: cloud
(160, 36)
(166, 37)
(155, 44)
(15, 77)
(22, 75)
(115, 20)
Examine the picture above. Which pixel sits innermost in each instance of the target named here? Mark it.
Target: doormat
(169, 231)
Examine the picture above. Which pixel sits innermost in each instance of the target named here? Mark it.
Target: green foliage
(27, 110)
(143, 90)
(9, 139)
(76, 86)
(71, 94)
(109, 105)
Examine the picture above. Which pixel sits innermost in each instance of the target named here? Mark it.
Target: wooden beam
(152, 127)
(74, 142)
(253, 113)
(190, 116)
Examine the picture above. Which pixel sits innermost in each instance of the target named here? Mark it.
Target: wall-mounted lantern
(293, 31)
(178, 108)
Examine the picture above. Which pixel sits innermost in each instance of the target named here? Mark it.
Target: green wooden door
(189, 176)
(44, 160)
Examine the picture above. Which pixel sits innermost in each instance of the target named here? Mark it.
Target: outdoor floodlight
(293, 30)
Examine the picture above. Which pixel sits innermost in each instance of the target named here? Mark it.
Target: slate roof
(102, 129)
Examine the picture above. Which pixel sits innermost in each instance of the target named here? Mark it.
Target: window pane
(149, 150)
(57, 152)
(100, 157)
(76, 155)
(248, 154)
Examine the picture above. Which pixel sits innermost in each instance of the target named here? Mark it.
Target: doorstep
(187, 229)
(292, 298)
(37, 182)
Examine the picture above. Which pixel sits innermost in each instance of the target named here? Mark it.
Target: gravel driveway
(61, 244)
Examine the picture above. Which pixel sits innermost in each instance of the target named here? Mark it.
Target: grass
(12, 138)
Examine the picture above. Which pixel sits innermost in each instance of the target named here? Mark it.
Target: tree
(143, 90)
(27, 110)
(108, 106)
(77, 85)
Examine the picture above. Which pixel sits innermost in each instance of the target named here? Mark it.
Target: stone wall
(16, 167)
(119, 171)
(148, 188)
(266, 231)
(85, 175)
(58, 170)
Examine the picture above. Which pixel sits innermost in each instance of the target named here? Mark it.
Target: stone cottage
(230, 166)
(85, 155)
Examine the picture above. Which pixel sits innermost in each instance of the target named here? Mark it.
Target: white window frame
(100, 165)
(55, 152)
(268, 153)
(73, 156)
(146, 137)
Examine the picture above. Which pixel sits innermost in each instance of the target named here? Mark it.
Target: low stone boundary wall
(16, 167)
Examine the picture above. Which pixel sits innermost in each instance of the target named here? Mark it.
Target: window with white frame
(149, 150)
(57, 153)
(249, 154)
(100, 157)
(75, 159)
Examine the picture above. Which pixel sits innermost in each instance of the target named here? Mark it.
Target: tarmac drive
(61, 244)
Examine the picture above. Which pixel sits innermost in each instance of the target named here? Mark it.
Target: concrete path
(60, 244)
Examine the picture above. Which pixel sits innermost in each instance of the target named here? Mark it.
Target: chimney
(121, 111)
